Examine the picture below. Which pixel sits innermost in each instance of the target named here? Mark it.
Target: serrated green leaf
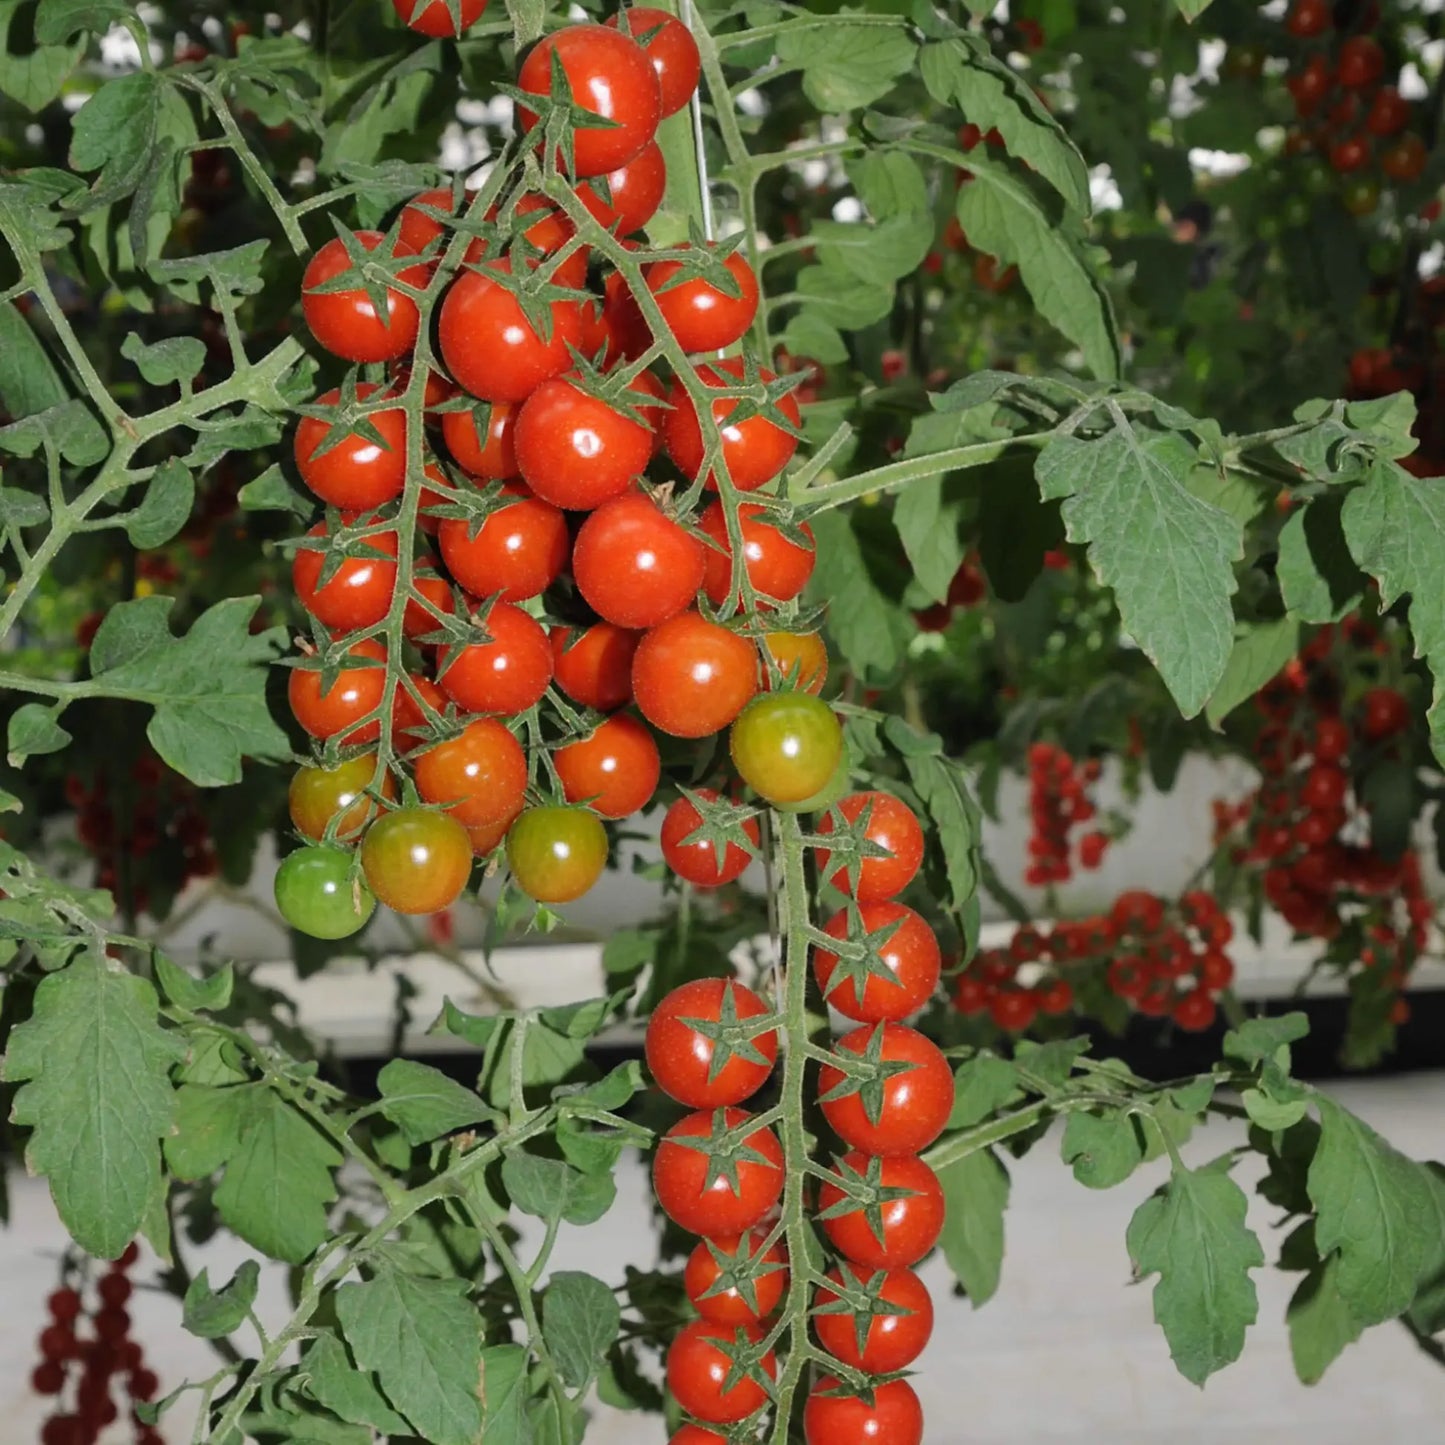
(113, 132)
(57, 20)
(271, 492)
(168, 361)
(580, 1320)
(33, 732)
(982, 1086)
(424, 1104)
(200, 995)
(847, 66)
(70, 427)
(929, 532)
(1259, 1039)
(1318, 578)
(1320, 1322)
(1102, 1149)
(32, 74)
(29, 379)
(93, 1062)
(346, 1391)
(207, 1130)
(1260, 651)
(808, 334)
(879, 253)
(953, 818)
(975, 1191)
(552, 1189)
(504, 1394)
(211, 1314)
(867, 629)
(890, 183)
(165, 508)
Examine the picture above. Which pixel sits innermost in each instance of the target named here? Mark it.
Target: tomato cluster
(107, 1360)
(886, 1092)
(1058, 803)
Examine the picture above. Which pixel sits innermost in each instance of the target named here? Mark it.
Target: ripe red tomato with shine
(909, 952)
(894, 1418)
(634, 565)
(622, 326)
(319, 794)
(415, 860)
(337, 711)
(434, 17)
(703, 316)
(635, 192)
(897, 1231)
(754, 451)
(506, 674)
(614, 771)
(419, 621)
(479, 776)
(347, 322)
(723, 1303)
(575, 450)
(593, 665)
(410, 724)
(607, 73)
(1389, 112)
(680, 1174)
(794, 660)
(1385, 713)
(785, 745)
(517, 552)
(1309, 18)
(671, 49)
(916, 1102)
(687, 1059)
(556, 854)
(358, 594)
(489, 345)
(891, 825)
(493, 458)
(891, 1342)
(691, 677)
(698, 861)
(1362, 62)
(776, 565)
(698, 1373)
(357, 474)
(1350, 154)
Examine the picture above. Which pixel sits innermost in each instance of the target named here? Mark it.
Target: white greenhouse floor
(1067, 1351)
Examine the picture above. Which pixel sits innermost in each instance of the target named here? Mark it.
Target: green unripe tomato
(833, 791)
(786, 746)
(318, 895)
(556, 854)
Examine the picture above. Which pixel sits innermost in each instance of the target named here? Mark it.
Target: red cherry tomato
(777, 566)
(891, 825)
(1389, 112)
(1362, 62)
(671, 49)
(624, 329)
(1405, 160)
(754, 451)
(614, 771)
(347, 323)
(410, 725)
(691, 678)
(418, 621)
(575, 450)
(358, 473)
(358, 594)
(556, 854)
(703, 316)
(492, 459)
(696, 1435)
(634, 565)
(319, 794)
(336, 711)
(915, 1102)
(506, 674)
(1350, 154)
(1385, 713)
(900, 1228)
(785, 745)
(606, 73)
(699, 1372)
(420, 224)
(489, 345)
(890, 1342)
(480, 775)
(1309, 18)
(698, 862)
(593, 665)
(909, 952)
(715, 1269)
(434, 17)
(1014, 1009)
(415, 860)
(841, 1418)
(1194, 1011)
(544, 237)
(794, 661)
(635, 192)
(700, 1049)
(517, 552)
(730, 1203)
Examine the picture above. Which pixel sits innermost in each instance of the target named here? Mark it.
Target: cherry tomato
(319, 794)
(347, 323)
(635, 191)
(416, 860)
(354, 692)
(735, 1199)
(480, 775)
(1309, 18)
(575, 450)
(833, 1416)
(703, 316)
(419, 621)
(486, 836)
(913, 1105)
(607, 73)
(1350, 154)
(1385, 713)
(494, 459)
(516, 552)
(734, 1280)
(634, 565)
(317, 895)
(691, 678)
(891, 825)
(357, 474)
(509, 672)
(798, 659)
(358, 594)
(698, 862)
(900, 1228)
(1324, 787)
(410, 725)
(777, 566)
(1389, 112)
(1361, 195)
(699, 1046)
(785, 745)
(1362, 62)
(671, 49)
(1194, 1011)
(1404, 160)
(434, 17)
(1332, 740)
(871, 1341)
(754, 451)
(489, 345)
(698, 1373)
(696, 1435)
(908, 952)
(614, 770)
(624, 329)
(556, 854)
(544, 237)
(593, 665)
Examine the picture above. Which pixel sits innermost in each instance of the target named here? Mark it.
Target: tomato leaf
(212, 1314)
(553, 1189)
(1318, 579)
(165, 508)
(346, 1391)
(29, 379)
(34, 730)
(1103, 1149)
(975, 1191)
(113, 133)
(1320, 1322)
(847, 65)
(1259, 653)
(580, 1320)
(424, 1104)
